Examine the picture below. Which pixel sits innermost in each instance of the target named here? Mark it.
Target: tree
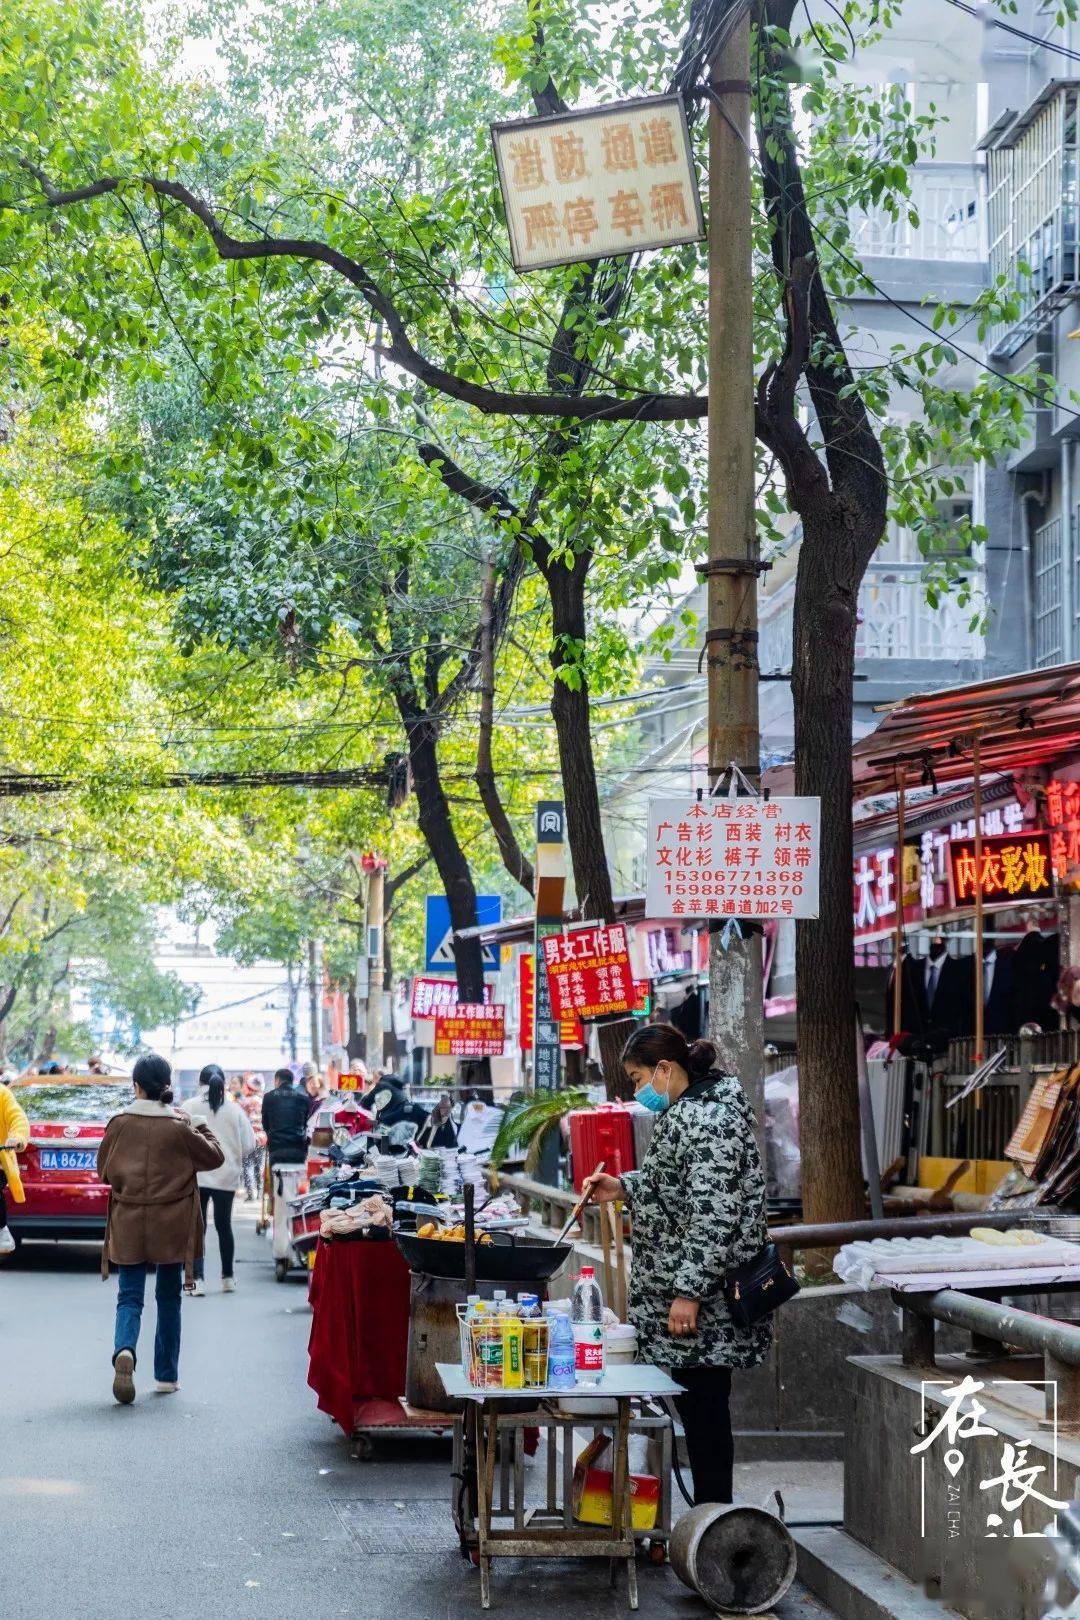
(558, 407)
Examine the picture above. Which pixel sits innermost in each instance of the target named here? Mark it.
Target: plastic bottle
(513, 1338)
(587, 1316)
(560, 1372)
(534, 1340)
(488, 1341)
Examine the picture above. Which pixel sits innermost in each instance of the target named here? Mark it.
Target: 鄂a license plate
(68, 1158)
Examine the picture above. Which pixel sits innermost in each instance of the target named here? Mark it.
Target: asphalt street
(236, 1496)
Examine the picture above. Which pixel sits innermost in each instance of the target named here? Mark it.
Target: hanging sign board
(589, 972)
(470, 1029)
(428, 994)
(598, 182)
(1016, 867)
(729, 857)
(571, 1033)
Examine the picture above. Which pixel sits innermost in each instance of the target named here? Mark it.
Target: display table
(552, 1535)
(360, 1326)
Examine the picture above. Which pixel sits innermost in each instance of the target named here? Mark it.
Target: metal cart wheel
(657, 1552)
(281, 1270)
(363, 1448)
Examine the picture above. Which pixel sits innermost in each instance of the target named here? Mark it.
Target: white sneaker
(7, 1242)
(228, 1286)
(162, 1388)
(199, 1289)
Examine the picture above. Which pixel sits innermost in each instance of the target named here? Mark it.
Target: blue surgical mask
(649, 1097)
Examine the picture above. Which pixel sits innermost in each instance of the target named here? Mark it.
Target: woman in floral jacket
(698, 1209)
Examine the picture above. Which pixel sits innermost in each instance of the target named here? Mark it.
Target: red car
(68, 1115)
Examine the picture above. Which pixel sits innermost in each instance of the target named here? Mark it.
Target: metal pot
(739, 1559)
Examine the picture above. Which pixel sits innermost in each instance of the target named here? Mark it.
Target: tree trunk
(356, 1041)
(823, 660)
(584, 829)
(437, 826)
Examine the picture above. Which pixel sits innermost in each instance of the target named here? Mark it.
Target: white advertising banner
(729, 857)
(598, 182)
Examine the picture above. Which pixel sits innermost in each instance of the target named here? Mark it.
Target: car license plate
(68, 1158)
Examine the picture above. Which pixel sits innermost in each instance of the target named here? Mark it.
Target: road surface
(237, 1497)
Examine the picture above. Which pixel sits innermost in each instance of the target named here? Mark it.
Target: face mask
(649, 1097)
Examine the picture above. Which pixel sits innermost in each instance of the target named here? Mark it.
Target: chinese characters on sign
(1013, 868)
(604, 181)
(470, 1029)
(733, 858)
(1063, 818)
(571, 1033)
(1014, 1485)
(589, 972)
(430, 994)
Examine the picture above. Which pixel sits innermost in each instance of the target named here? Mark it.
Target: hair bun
(702, 1058)
(166, 1096)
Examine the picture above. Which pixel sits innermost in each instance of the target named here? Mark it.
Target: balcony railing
(896, 620)
(946, 199)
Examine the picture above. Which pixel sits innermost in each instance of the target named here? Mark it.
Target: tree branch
(513, 856)
(401, 351)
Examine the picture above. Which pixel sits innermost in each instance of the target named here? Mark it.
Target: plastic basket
(483, 1351)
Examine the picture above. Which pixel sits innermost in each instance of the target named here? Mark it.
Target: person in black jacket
(284, 1119)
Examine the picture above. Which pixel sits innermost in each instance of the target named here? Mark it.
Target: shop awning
(1022, 722)
(519, 930)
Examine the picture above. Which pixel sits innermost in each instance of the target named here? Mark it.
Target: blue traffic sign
(439, 934)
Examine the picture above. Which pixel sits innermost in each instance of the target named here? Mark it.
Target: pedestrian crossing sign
(439, 933)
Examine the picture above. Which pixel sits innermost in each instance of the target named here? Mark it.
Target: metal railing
(947, 223)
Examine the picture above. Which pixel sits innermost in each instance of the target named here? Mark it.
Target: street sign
(598, 181)
(439, 932)
(571, 1033)
(547, 1044)
(730, 857)
(470, 1029)
(1016, 867)
(589, 972)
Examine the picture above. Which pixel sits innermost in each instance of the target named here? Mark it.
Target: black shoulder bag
(758, 1286)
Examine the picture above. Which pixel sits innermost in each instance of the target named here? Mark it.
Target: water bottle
(587, 1317)
(560, 1370)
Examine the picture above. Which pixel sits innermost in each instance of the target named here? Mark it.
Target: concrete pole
(315, 999)
(735, 985)
(376, 974)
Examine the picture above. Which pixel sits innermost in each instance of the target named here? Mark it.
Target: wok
(507, 1258)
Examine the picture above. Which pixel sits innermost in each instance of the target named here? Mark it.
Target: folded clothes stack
(371, 1214)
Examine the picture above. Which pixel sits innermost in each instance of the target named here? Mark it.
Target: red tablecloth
(360, 1326)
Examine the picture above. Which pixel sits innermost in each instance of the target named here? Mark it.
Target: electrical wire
(1018, 33)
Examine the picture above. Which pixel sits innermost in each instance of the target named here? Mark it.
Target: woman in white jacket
(232, 1128)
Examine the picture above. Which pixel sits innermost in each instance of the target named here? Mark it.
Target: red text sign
(1063, 816)
(470, 1029)
(430, 994)
(1016, 867)
(714, 857)
(589, 972)
(571, 1034)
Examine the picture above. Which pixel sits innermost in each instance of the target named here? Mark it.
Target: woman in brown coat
(149, 1157)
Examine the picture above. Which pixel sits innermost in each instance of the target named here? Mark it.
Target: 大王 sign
(598, 181)
(470, 1029)
(714, 857)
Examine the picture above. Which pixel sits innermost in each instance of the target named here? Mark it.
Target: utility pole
(375, 868)
(315, 1000)
(731, 572)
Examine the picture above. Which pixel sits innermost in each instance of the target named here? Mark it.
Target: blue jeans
(129, 1304)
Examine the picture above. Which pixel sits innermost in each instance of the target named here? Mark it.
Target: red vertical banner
(571, 1031)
